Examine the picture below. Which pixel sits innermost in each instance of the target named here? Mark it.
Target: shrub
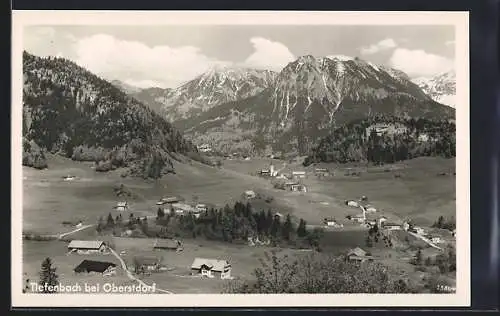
(33, 155)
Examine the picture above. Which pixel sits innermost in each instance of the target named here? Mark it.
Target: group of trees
(375, 235)
(118, 224)
(443, 223)
(405, 138)
(238, 223)
(33, 155)
(48, 278)
(320, 273)
(445, 261)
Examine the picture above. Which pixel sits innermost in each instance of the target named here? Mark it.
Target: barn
(359, 255)
(212, 268)
(91, 266)
(87, 246)
(167, 244)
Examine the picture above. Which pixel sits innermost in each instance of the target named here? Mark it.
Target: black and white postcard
(257, 158)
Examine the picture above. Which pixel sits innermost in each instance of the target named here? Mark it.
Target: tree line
(397, 139)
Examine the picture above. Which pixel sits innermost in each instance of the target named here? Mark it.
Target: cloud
(419, 63)
(144, 83)
(383, 45)
(38, 40)
(268, 54)
(449, 43)
(136, 62)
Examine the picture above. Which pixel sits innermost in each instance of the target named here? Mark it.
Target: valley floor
(423, 190)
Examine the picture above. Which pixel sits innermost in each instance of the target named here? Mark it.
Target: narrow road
(131, 276)
(74, 231)
(425, 240)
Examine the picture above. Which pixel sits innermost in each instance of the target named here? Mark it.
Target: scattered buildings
(143, 264)
(87, 246)
(370, 209)
(359, 255)
(212, 268)
(91, 266)
(181, 208)
(167, 244)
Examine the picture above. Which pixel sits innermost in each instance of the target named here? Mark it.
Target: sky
(167, 56)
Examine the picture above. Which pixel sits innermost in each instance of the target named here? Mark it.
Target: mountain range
(305, 101)
(441, 88)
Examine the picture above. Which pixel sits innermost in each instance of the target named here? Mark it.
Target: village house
(419, 230)
(435, 239)
(122, 206)
(168, 200)
(352, 203)
(321, 171)
(182, 209)
(249, 194)
(391, 226)
(87, 246)
(358, 255)
(69, 178)
(205, 148)
(201, 207)
(146, 264)
(212, 268)
(330, 222)
(167, 244)
(298, 188)
(298, 174)
(91, 266)
(370, 209)
(406, 226)
(381, 220)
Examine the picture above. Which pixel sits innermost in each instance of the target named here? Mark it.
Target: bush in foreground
(320, 273)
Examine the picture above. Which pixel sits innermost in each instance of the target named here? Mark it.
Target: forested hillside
(386, 139)
(69, 111)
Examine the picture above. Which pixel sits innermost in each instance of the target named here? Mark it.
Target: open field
(420, 193)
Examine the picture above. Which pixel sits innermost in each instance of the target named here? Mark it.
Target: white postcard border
(459, 19)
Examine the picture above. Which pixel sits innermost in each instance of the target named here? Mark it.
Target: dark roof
(166, 244)
(93, 266)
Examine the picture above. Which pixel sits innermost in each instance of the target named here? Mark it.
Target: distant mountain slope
(152, 97)
(125, 87)
(70, 111)
(217, 86)
(386, 139)
(441, 88)
(308, 98)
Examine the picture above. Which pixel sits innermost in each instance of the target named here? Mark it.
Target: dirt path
(131, 276)
(75, 230)
(427, 241)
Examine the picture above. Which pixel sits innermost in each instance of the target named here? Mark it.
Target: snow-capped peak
(441, 87)
(340, 57)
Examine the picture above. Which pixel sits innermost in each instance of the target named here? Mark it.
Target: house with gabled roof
(92, 266)
(212, 268)
(359, 255)
(87, 246)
